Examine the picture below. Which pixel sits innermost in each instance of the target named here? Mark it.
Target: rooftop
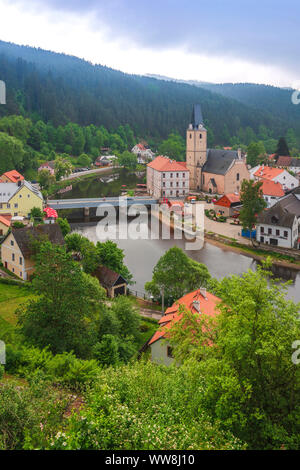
(14, 176)
(166, 164)
(267, 172)
(25, 236)
(198, 302)
(271, 188)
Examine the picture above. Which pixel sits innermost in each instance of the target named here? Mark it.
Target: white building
(279, 225)
(144, 155)
(167, 178)
(278, 175)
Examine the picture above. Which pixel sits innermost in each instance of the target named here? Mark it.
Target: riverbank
(247, 250)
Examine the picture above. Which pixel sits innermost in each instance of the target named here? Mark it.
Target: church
(212, 170)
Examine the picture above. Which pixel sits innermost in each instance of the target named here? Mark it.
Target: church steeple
(196, 147)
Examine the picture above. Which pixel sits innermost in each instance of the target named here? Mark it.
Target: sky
(213, 40)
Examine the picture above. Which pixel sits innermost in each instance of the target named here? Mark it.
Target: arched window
(200, 136)
(190, 136)
(238, 177)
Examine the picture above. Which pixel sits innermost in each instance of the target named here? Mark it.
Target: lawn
(11, 297)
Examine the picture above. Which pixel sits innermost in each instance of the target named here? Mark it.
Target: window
(262, 230)
(177, 175)
(8, 206)
(13, 257)
(12, 242)
(16, 205)
(277, 233)
(285, 234)
(164, 184)
(238, 177)
(169, 351)
(164, 175)
(183, 184)
(177, 184)
(21, 274)
(200, 136)
(171, 193)
(164, 193)
(190, 136)
(171, 175)
(269, 231)
(20, 260)
(183, 175)
(171, 184)
(20, 195)
(28, 195)
(183, 192)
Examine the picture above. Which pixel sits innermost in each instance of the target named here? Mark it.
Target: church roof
(219, 161)
(197, 118)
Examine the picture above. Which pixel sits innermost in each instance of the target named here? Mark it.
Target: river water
(142, 255)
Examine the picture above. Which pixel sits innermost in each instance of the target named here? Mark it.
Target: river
(142, 255)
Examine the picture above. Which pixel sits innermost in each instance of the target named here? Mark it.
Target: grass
(11, 297)
(264, 253)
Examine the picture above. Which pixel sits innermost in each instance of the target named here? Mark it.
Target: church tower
(196, 147)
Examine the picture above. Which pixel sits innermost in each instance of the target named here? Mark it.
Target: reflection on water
(142, 255)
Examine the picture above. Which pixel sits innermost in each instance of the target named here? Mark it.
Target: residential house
(50, 166)
(279, 225)
(272, 191)
(113, 283)
(50, 215)
(198, 302)
(278, 175)
(4, 224)
(228, 205)
(216, 171)
(19, 198)
(167, 178)
(12, 176)
(288, 163)
(144, 154)
(17, 249)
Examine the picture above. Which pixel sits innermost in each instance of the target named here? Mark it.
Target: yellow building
(16, 248)
(19, 198)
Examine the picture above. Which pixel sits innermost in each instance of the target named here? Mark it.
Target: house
(288, 163)
(113, 283)
(4, 224)
(144, 154)
(12, 176)
(216, 171)
(17, 250)
(167, 178)
(278, 225)
(278, 175)
(228, 204)
(198, 302)
(19, 198)
(272, 191)
(50, 166)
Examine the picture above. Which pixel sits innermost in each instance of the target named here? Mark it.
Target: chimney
(203, 292)
(196, 305)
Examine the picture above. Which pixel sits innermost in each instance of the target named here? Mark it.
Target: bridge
(96, 202)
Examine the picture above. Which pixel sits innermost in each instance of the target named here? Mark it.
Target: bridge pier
(86, 212)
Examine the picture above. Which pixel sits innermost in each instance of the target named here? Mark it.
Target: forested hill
(269, 98)
(58, 88)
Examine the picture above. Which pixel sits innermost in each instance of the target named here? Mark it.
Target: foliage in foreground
(251, 384)
(142, 406)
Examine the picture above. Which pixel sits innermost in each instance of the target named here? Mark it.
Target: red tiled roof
(141, 146)
(284, 161)
(167, 164)
(231, 198)
(208, 306)
(14, 176)
(267, 172)
(5, 221)
(271, 188)
(50, 212)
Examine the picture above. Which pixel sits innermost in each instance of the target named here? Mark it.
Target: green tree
(106, 352)
(64, 226)
(128, 160)
(253, 203)
(112, 257)
(62, 168)
(177, 274)
(282, 147)
(173, 147)
(255, 153)
(60, 317)
(84, 160)
(45, 179)
(252, 385)
(11, 153)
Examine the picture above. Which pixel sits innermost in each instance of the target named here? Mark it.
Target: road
(89, 172)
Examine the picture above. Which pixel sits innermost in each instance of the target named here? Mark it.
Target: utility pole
(162, 300)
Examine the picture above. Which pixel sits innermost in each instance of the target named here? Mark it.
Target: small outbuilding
(113, 283)
(228, 204)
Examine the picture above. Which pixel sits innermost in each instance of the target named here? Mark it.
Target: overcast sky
(212, 40)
